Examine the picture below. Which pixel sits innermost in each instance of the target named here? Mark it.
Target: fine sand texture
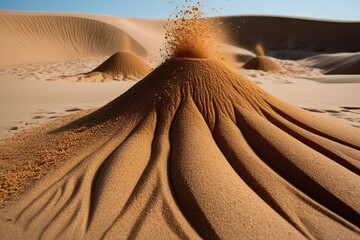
(194, 150)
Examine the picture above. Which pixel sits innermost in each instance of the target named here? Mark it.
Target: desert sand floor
(195, 149)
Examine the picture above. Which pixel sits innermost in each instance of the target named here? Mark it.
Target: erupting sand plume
(190, 35)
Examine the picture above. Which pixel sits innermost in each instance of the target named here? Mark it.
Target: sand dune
(196, 153)
(148, 32)
(120, 66)
(263, 63)
(125, 65)
(35, 38)
(337, 63)
(293, 35)
(44, 36)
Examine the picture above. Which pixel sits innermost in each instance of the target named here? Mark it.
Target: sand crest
(194, 150)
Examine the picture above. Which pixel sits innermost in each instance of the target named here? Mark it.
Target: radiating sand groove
(195, 150)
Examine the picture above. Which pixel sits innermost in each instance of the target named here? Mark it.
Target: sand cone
(195, 150)
(124, 65)
(263, 63)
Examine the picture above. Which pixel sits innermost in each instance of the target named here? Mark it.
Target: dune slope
(195, 150)
(34, 37)
(43, 38)
(280, 33)
(338, 63)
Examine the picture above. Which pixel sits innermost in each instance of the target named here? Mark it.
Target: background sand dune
(34, 38)
(281, 33)
(336, 63)
(28, 37)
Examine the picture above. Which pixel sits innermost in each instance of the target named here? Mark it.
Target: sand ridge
(185, 153)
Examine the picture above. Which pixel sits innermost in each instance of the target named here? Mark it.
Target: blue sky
(324, 9)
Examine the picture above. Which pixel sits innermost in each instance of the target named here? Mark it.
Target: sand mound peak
(263, 63)
(124, 65)
(195, 150)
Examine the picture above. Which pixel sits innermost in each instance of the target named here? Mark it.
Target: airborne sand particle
(190, 34)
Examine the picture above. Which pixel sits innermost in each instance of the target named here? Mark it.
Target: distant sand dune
(31, 38)
(194, 150)
(28, 37)
(279, 33)
(339, 63)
